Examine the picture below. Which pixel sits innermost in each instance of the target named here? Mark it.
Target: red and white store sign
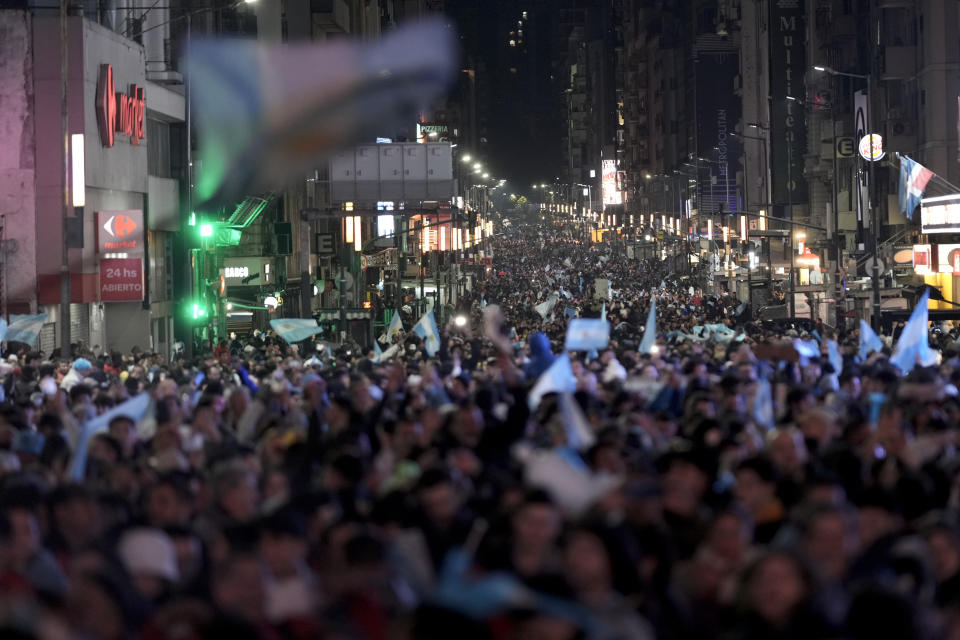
(121, 279)
(119, 112)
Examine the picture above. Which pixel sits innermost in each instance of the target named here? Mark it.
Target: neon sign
(119, 112)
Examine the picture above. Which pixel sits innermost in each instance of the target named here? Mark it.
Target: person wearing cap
(78, 371)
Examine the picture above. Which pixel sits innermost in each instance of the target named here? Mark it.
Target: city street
(479, 319)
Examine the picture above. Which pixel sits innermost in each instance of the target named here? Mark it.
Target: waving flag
(295, 329)
(603, 311)
(806, 349)
(377, 351)
(426, 328)
(833, 354)
(545, 307)
(913, 181)
(912, 347)
(869, 341)
(650, 332)
(556, 379)
(570, 312)
(266, 113)
(396, 326)
(585, 334)
(25, 328)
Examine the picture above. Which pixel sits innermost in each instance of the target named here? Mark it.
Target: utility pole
(64, 220)
(837, 244)
(874, 210)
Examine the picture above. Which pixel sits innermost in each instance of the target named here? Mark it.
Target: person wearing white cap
(150, 557)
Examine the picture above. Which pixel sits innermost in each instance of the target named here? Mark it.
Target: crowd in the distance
(280, 491)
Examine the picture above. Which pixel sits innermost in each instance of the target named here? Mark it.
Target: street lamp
(874, 213)
(465, 158)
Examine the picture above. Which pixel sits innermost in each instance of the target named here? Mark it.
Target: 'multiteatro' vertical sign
(788, 126)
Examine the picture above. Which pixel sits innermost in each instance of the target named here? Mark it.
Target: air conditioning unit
(901, 128)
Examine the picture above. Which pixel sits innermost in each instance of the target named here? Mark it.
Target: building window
(158, 148)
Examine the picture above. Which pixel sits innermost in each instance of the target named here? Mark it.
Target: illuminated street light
(465, 158)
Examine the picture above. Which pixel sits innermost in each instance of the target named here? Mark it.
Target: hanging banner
(860, 105)
(718, 111)
(788, 126)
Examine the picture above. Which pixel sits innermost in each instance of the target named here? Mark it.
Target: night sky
(520, 96)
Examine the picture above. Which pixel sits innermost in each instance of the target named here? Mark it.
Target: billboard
(940, 214)
(718, 111)
(788, 126)
(608, 173)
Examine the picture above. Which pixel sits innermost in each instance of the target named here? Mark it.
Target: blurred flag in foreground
(557, 379)
(913, 347)
(135, 408)
(869, 340)
(295, 329)
(267, 114)
(24, 328)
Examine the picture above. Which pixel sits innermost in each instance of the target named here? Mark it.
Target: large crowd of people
(724, 485)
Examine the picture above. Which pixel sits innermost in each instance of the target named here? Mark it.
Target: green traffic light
(206, 230)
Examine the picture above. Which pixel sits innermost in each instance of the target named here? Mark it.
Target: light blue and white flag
(566, 294)
(763, 404)
(266, 112)
(807, 349)
(869, 340)
(913, 347)
(25, 328)
(135, 408)
(585, 334)
(833, 353)
(720, 332)
(295, 329)
(603, 311)
(570, 312)
(377, 351)
(545, 307)
(427, 329)
(650, 332)
(395, 326)
(557, 379)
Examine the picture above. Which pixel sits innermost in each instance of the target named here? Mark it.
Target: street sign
(868, 267)
(347, 278)
(325, 244)
(121, 279)
(845, 147)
